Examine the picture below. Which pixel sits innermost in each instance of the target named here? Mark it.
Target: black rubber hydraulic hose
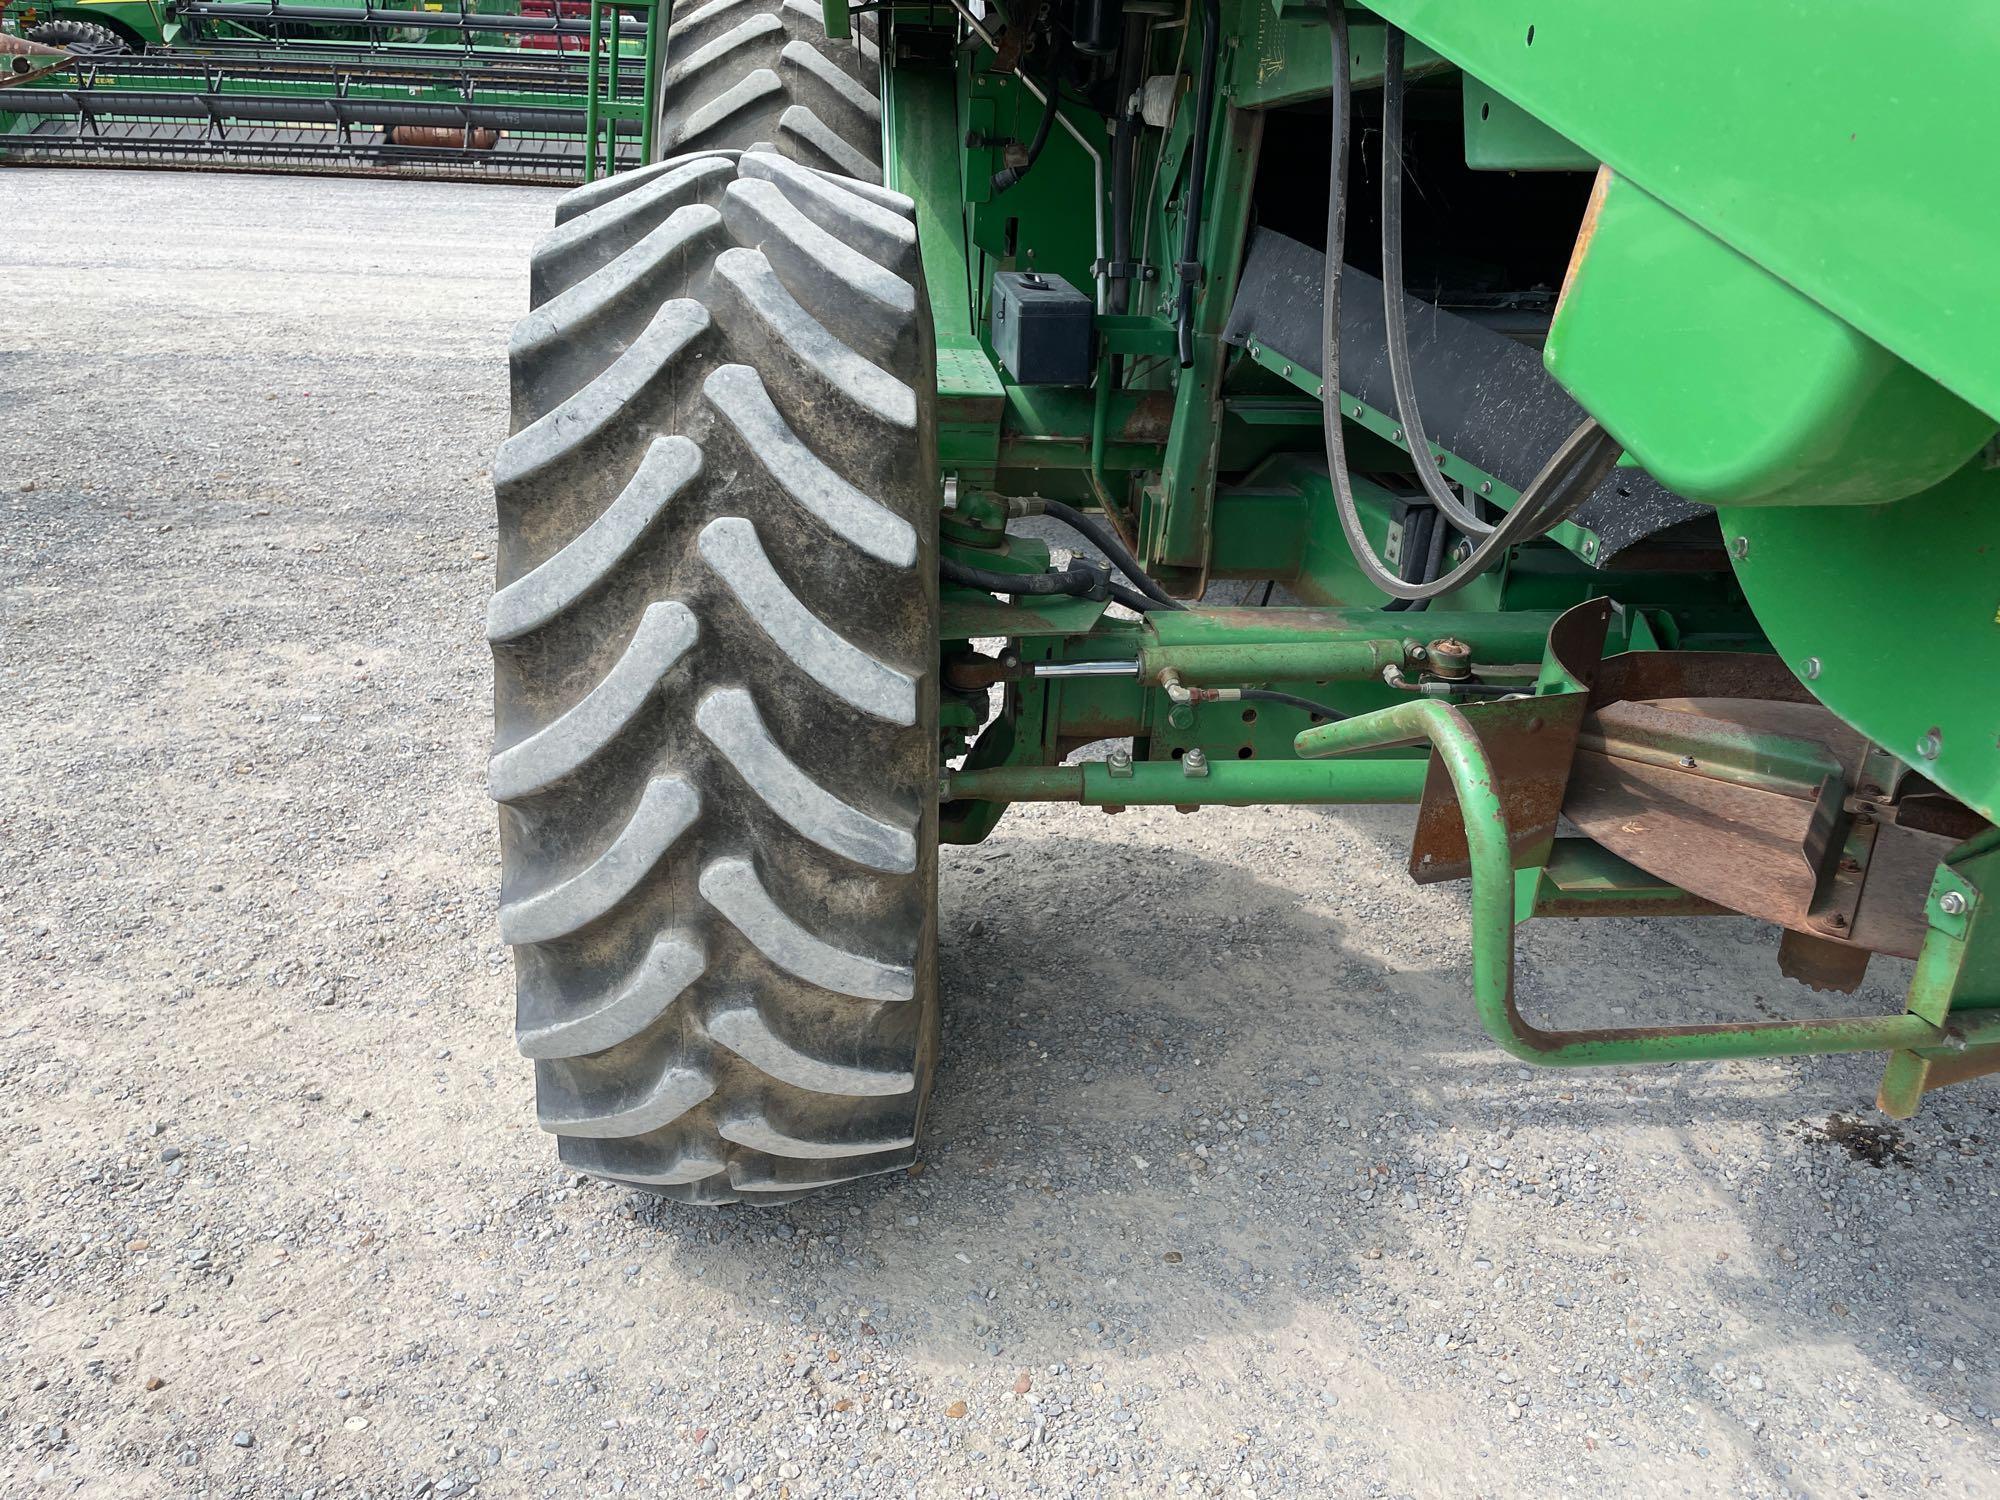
(1572, 472)
(1133, 600)
(1189, 269)
(1077, 580)
(1268, 695)
(1108, 543)
(1082, 579)
(1124, 143)
(1006, 177)
(1395, 314)
(1429, 564)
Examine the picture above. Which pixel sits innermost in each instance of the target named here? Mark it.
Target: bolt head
(1687, 762)
(1953, 903)
(1740, 548)
(1812, 668)
(1929, 746)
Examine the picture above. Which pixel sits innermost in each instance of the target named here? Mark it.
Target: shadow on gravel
(1180, 1103)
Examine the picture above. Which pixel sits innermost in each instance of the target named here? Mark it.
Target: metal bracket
(1532, 742)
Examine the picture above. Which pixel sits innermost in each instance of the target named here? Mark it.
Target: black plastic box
(1041, 329)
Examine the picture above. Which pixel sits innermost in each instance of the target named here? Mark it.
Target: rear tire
(741, 72)
(85, 38)
(714, 639)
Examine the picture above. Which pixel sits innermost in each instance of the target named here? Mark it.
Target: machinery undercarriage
(1672, 702)
(1587, 467)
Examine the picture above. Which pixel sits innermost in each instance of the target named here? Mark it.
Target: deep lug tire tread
(713, 634)
(748, 72)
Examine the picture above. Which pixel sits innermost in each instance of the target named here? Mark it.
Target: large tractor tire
(714, 638)
(85, 38)
(741, 72)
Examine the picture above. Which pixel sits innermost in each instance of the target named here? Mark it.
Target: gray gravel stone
(249, 897)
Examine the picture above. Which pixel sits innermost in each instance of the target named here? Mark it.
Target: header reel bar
(525, 103)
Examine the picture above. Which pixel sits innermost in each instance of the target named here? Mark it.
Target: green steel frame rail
(1457, 746)
(207, 89)
(604, 106)
(1195, 782)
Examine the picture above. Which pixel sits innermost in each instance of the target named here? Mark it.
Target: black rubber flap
(1484, 396)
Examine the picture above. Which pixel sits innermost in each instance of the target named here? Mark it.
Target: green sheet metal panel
(1842, 147)
(1277, 58)
(1891, 616)
(921, 136)
(1500, 136)
(1729, 386)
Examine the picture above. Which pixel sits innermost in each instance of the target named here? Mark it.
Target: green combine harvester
(526, 90)
(1595, 431)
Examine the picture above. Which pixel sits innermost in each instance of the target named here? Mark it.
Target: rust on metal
(1911, 1075)
(22, 60)
(1449, 657)
(1781, 747)
(1838, 849)
(1720, 774)
(1743, 847)
(1150, 420)
(1973, 1062)
(1696, 674)
(1822, 965)
(20, 46)
(444, 137)
(1529, 743)
(978, 672)
(1922, 806)
(1586, 232)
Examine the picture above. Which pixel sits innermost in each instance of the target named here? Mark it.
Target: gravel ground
(1224, 1193)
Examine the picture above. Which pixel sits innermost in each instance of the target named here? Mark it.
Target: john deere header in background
(530, 90)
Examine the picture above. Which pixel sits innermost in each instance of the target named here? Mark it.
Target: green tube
(1165, 783)
(1100, 413)
(1501, 637)
(592, 82)
(1459, 751)
(1272, 661)
(658, 15)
